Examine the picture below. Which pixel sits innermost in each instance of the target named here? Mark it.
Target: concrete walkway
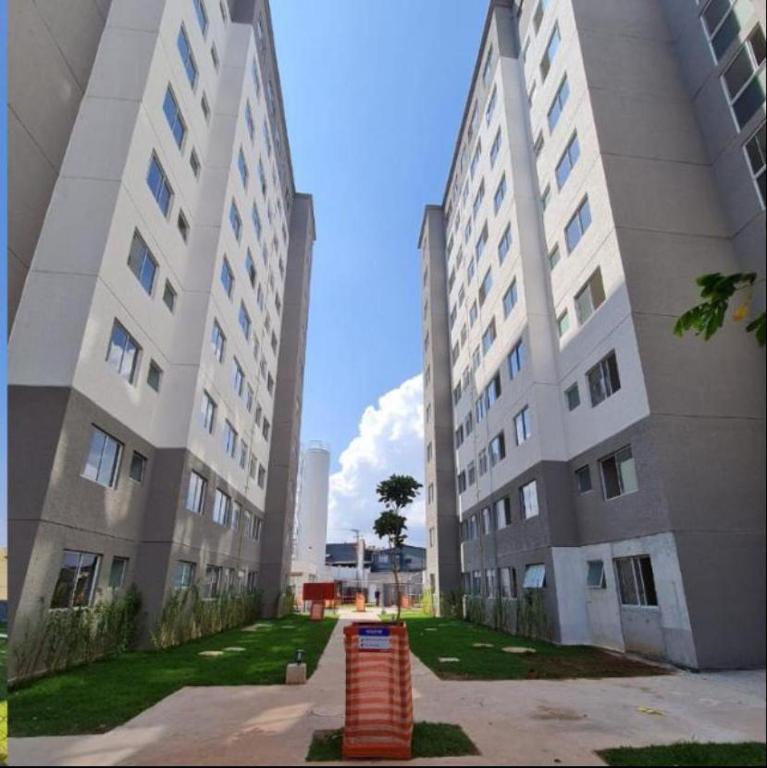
(512, 722)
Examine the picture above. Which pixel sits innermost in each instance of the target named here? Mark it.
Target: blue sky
(374, 94)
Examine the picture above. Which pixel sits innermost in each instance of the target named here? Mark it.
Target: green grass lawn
(429, 740)
(688, 753)
(97, 697)
(432, 638)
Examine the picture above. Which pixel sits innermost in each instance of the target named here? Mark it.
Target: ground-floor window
(76, 584)
(184, 577)
(117, 572)
(252, 579)
(213, 578)
(490, 582)
(535, 576)
(595, 575)
(509, 583)
(636, 580)
(476, 583)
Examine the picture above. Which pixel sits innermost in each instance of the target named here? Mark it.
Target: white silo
(311, 514)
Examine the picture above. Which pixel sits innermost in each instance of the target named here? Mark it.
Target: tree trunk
(396, 588)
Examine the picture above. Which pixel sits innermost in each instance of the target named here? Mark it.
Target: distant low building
(355, 567)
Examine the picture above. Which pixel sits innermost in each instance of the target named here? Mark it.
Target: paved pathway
(512, 722)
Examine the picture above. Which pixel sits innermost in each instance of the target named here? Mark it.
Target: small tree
(395, 494)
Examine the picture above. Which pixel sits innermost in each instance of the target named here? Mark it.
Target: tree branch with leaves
(717, 290)
(396, 493)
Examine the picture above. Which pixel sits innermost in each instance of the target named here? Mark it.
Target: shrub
(187, 616)
(451, 604)
(55, 640)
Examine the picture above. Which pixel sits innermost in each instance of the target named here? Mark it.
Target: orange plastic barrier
(317, 611)
(405, 601)
(359, 602)
(379, 696)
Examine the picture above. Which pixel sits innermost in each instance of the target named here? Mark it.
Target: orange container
(379, 695)
(405, 601)
(359, 602)
(317, 612)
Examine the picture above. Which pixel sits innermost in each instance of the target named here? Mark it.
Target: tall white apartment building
(156, 358)
(609, 154)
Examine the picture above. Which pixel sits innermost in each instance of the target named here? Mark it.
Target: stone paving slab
(513, 722)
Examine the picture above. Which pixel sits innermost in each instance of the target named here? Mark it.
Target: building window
(722, 23)
(618, 473)
(183, 226)
(243, 167)
(103, 462)
(510, 298)
(261, 477)
(159, 186)
(505, 244)
(560, 99)
(184, 576)
(208, 412)
(202, 16)
(523, 425)
(485, 286)
(75, 586)
(528, 499)
(553, 257)
(218, 341)
(123, 352)
(142, 263)
(563, 324)
(756, 153)
(194, 162)
(535, 576)
(169, 296)
(195, 496)
(500, 194)
(503, 513)
(173, 116)
(244, 320)
(744, 78)
(568, 160)
(213, 582)
(488, 337)
(538, 16)
(546, 197)
(187, 58)
(214, 56)
(497, 449)
(490, 109)
(538, 145)
(583, 479)
(595, 575)
(137, 467)
(222, 508)
(603, 379)
(479, 248)
(590, 297)
(461, 482)
(509, 583)
(636, 581)
(154, 376)
(495, 148)
(516, 359)
(487, 69)
(551, 51)
(578, 225)
(238, 378)
(235, 220)
(227, 277)
(117, 572)
(230, 439)
(572, 397)
(249, 122)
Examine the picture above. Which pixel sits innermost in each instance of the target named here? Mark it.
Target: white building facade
(570, 436)
(156, 359)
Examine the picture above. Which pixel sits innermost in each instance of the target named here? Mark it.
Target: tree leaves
(706, 318)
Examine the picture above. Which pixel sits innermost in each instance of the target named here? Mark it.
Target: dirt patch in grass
(429, 740)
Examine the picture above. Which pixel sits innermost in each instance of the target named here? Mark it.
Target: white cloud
(389, 441)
